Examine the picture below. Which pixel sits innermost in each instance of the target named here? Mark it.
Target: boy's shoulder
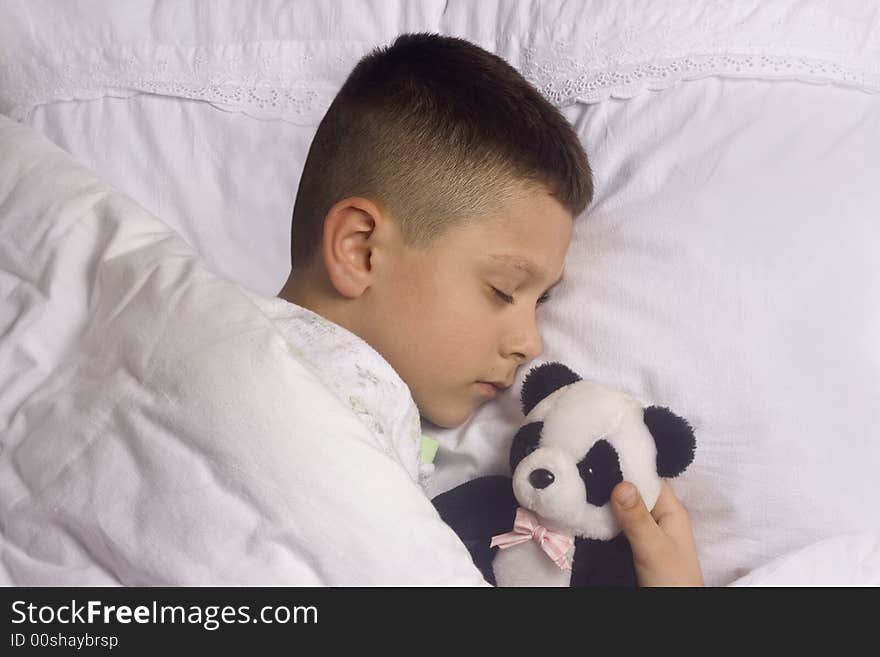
(355, 373)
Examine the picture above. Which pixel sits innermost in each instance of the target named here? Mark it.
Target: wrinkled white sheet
(156, 429)
(847, 560)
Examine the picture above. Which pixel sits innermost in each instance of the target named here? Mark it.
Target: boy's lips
(498, 386)
(488, 389)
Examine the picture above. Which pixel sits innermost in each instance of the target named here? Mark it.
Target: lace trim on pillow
(595, 86)
(296, 80)
(665, 43)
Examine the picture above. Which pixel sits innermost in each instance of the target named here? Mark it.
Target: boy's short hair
(436, 131)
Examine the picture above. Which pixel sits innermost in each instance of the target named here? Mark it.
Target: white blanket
(156, 429)
(846, 560)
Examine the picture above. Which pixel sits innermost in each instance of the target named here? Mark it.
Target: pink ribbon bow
(526, 527)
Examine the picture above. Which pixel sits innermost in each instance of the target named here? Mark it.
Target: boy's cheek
(450, 405)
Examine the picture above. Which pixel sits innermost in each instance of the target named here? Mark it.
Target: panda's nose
(541, 478)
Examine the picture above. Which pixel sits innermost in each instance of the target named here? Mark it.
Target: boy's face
(441, 317)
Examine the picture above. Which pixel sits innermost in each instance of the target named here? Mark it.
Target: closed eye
(509, 299)
(504, 297)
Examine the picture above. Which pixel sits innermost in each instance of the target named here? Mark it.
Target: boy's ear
(346, 245)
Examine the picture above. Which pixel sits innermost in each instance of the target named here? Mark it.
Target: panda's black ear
(674, 438)
(542, 381)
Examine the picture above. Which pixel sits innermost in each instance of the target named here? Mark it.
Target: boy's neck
(305, 291)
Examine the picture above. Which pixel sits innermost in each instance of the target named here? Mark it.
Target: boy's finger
(632, 514)
(669, 512)
(667, 504)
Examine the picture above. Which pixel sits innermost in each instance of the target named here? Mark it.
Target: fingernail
(626, 496)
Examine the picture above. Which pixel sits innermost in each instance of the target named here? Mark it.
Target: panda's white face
(575, 446)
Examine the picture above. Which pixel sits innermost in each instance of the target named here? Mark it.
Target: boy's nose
(527, 344)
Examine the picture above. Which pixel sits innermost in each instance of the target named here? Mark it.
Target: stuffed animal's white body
(527, 564)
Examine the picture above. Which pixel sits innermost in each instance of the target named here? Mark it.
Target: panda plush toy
(550, 524)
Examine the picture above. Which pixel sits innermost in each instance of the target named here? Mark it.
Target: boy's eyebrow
(519, 262)
(523, 264)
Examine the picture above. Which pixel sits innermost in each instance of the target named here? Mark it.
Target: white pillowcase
(727, 270)
(224, 181)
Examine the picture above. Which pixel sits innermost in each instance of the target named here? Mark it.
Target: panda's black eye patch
(600, 470)
(524, 443)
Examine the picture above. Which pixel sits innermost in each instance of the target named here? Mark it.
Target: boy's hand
(662, 541)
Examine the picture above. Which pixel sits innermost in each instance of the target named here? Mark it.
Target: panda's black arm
(603, 563)
(477, 510)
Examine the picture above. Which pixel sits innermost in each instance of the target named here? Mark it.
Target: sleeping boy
(432, 220)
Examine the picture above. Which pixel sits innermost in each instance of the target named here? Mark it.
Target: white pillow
(727, 270)
(227, 183)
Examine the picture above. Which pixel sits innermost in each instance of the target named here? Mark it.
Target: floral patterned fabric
(358, 375)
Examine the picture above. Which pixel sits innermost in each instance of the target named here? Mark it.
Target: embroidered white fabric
(572, 52)
(665, 45)
(270, 80)
(361, 378)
